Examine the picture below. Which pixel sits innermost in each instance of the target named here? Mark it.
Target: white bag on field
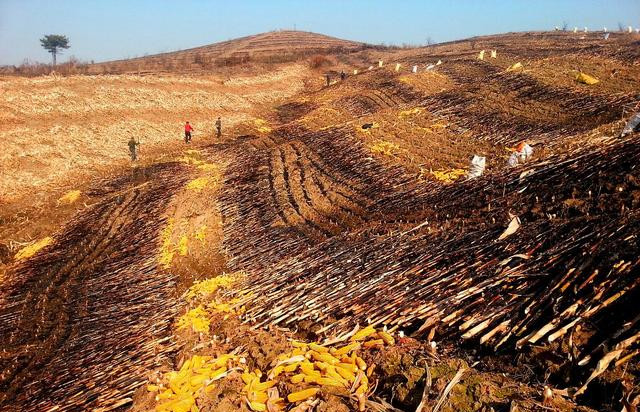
(478, 164)
(513, 160)
(527, 152)
(632, 125)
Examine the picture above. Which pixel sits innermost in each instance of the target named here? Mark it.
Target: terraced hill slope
(270, 47)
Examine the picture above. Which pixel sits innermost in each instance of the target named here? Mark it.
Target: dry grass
(52, 126)
(319, 61)
(265, 48)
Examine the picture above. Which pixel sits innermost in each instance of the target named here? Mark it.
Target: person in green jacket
(133, 149)
(219, 127)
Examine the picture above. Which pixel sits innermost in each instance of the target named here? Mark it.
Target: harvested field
(67, 314)
(51, 126)
(330, 252)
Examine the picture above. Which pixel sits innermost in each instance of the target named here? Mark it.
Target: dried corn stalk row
(574, 259)
(500, 124)
(83, 321)
(280, 201)
(380, 93)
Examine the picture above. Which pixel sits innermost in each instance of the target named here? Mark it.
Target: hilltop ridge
(270, 47)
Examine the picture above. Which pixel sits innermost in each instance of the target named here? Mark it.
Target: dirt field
(307, 253)
(52, 126)
(59, 133)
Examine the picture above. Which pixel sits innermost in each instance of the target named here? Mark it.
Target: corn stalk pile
(527, 257)
(281, 200)
(484, 100)
(82, 321)
(535, 111)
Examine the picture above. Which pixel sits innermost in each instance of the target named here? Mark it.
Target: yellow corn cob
(197, 380)
(333, 373)
(373, 343)
(186, 365)
(318, 348)
(298, 378)
(345, 373)
(324, 357)
(203, 370)
(257, 406)
(302, 395)
(363, 333)
(218, 373)
(298, 351)
(247, 378)
(276, 371)
(198, 360)
(370, 369)
(322, 366)
(329, 382)
(175, 385)
(314, 373)
(312, 378)
(177, 405)
(362, 389)
(346, 349)
(263, 386)
(361, 363)
(347, 366)
(194, 408)
(292, 367)
(387, 338)
(167, 394)
(153, 388)
(297, 344)
(307, 368)
(222, 360)
(258, 396)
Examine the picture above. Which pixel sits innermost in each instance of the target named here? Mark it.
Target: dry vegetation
(53, 126)
(513, 291)
(266, 48)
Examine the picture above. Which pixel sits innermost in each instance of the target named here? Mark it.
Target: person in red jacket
(187, 132)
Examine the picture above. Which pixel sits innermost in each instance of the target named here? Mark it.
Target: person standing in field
(219, 127)
(187, 132)
(343, 75)
(133, 149)
(328, 79)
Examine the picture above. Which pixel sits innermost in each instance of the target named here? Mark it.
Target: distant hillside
(271, 47)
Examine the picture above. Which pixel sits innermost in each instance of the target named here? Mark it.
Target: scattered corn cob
(302, 395)
(386, 337)
(363, 333)
(346, 349)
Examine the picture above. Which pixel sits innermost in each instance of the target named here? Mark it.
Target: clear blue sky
(112, 29)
